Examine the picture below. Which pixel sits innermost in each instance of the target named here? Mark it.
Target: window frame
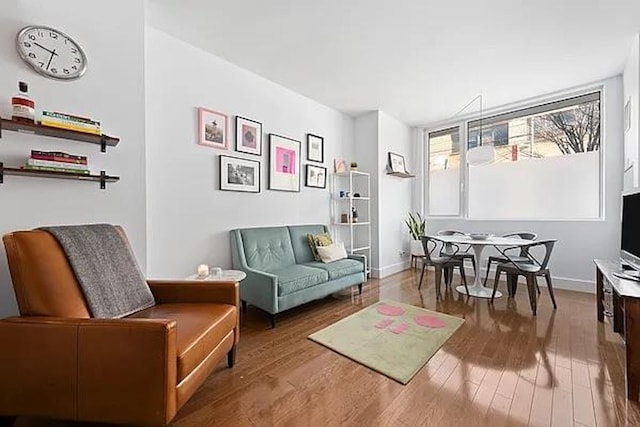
(463, 124)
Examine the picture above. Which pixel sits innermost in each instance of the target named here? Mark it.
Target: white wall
(394, 195)
(631, 82)
(377, 133)
(579, 242)
(112, 91)
(189, 218)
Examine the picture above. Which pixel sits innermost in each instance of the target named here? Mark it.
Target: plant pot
(416, 248)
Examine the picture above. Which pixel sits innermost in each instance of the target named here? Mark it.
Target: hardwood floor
(502, 367)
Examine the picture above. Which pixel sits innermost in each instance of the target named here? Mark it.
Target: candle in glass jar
(203, 270)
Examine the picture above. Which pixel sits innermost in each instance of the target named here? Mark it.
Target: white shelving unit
(357, 235)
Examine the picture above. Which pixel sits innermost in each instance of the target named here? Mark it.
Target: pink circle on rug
(390, 310)
(429, 321)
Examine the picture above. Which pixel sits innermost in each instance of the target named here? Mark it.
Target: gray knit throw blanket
(106, 269)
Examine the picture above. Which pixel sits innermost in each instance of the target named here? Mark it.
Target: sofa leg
(273, 321)
(7, 421)
(360, 289)
(231, 357)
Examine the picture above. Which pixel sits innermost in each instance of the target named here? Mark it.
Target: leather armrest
(110, 370)
(180, 291)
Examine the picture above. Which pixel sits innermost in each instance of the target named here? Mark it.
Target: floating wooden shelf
(103, 178)
(401, 174)
(102, 140)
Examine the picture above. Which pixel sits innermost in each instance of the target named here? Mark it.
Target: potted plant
(417, 226)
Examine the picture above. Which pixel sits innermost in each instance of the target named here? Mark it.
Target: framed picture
(284, 163)
(340, 165)
(239, 174)
(213, 128)
(396, 163)
(316, 176)
(627, 116)
(315, 148)
(248, 136)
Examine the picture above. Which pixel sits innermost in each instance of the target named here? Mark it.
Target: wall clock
(51, 52)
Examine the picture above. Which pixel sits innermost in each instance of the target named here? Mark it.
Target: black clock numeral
(54, 70)
(40, 33)
(74, 50)
(66, 71)
(27, 44)
(32, 55)
(41, 64)
(77, 60)
(75, 67)
(32, 37)
(53, 35)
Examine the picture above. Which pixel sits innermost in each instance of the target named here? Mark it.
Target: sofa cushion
(298, 277)
(268, 249)
(299, 240)
(338, 269)
(200, 328)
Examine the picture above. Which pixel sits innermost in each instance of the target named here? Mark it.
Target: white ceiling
(420, 61)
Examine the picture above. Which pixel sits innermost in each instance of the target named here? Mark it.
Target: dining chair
(530, 270)
(448, 249)
(441, 263)
(524, 235)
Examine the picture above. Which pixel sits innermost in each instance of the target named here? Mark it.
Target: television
(630, 238)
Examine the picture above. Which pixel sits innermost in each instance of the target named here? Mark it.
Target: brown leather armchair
(58, 362)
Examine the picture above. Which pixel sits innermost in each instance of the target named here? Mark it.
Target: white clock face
(51, 53)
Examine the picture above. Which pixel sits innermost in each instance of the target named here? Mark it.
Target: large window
(444, 172)
(546, 163)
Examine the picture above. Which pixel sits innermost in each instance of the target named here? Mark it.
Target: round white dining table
(477, 289)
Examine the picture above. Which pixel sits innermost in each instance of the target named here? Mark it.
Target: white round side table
(226, 276)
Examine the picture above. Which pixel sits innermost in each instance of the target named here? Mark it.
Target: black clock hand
(48, 50)
(53, 53)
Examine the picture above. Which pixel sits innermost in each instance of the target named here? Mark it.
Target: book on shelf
(56, 169)
(68, 122)
(53, 115)
(54, 164)
(56, 156)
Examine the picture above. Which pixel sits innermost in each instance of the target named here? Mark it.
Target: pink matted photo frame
(213, 129)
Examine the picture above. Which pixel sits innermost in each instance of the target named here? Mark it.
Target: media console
(626, 317)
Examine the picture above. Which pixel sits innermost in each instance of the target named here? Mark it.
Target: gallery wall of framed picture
(242, 173)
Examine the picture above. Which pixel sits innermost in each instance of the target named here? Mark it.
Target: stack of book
(57, 162)
(70, 122)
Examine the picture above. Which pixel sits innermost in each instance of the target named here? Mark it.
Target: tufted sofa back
(272, 248)
(267, 249)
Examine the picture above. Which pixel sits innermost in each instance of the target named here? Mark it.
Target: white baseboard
(565, 283)
(381, 273)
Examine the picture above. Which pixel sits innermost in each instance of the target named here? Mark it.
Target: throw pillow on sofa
(315, 240)
(332, 252)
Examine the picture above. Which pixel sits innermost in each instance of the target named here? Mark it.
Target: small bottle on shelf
(23, 107)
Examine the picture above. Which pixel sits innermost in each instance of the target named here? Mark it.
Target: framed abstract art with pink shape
(284, 163)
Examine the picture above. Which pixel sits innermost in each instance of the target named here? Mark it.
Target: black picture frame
(397, 157)
(224, 177)
(294, 144)
(307, 180)
(238, 136)
(310, 138)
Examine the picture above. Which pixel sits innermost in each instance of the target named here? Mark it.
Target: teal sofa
(281, 271)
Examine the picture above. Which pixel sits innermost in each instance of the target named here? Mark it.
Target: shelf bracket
(103, 144)
(1, 172)
(103, 180)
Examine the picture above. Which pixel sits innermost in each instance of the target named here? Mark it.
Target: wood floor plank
(503, 367)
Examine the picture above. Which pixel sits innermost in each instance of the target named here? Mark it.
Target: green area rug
(392, 338)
